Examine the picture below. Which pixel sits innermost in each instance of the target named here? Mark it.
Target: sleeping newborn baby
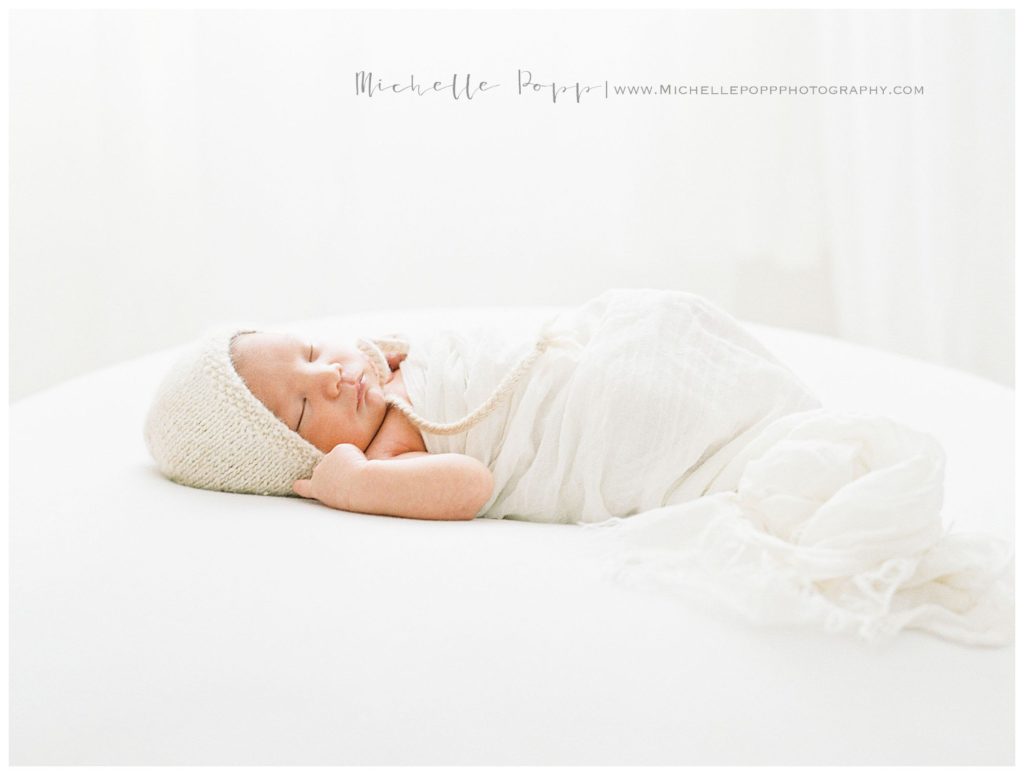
(268, 413)
(610, 408)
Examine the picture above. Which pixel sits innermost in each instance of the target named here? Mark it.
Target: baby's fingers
(303, 487)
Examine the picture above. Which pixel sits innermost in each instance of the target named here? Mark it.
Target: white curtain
(919, 190)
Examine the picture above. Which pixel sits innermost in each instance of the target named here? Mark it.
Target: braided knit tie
(503, 391)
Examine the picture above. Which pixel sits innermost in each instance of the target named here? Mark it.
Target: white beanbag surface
(154, 624)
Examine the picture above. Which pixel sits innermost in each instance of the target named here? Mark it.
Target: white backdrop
(171, 170)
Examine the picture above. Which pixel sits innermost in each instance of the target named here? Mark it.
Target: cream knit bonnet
(206, 429)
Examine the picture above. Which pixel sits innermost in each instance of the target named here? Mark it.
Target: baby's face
(323, 389)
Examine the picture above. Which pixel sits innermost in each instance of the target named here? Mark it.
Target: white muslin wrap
(737, 485)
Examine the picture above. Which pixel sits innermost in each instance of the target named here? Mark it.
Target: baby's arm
(416, 484)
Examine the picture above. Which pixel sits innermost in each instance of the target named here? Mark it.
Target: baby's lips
(361, 387)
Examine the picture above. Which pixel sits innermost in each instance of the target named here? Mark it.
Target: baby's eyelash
(302, 412)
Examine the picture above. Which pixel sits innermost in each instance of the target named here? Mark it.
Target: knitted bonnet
(206, 429)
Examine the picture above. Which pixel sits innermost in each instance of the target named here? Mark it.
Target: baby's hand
(334, 477)
(394, 359)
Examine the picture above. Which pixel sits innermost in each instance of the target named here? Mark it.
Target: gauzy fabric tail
(831, 518)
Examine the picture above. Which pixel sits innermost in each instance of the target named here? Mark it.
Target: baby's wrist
(355, 489)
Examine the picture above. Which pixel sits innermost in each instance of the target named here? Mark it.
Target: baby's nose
(349, 374)
(342, 374)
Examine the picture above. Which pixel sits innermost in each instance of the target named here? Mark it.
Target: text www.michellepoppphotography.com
(465, 87)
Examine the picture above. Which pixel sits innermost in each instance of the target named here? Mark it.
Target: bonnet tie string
(500, 393)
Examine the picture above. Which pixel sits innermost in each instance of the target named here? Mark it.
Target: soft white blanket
(660, 407)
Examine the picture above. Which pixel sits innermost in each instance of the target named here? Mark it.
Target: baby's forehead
(281, 346)
(264, 344)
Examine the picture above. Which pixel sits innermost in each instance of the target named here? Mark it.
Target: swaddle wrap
(737, 485)
(639, 403)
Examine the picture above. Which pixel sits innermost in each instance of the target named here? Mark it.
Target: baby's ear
(394, 359)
